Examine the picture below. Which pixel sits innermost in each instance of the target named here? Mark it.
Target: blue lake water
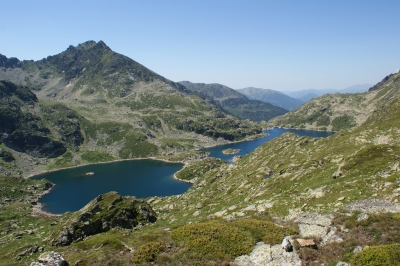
(248, 146)
(139, 178)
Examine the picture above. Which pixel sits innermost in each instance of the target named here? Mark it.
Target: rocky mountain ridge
(236, 103)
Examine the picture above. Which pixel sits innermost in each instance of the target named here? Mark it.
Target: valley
(89, 104)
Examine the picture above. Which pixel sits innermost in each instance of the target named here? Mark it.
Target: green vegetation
(217, 239)
(214, 240)
(147, 252)
(343, 122)
(63, 161)
(96, 156)
(136, 146)
(374, 256)
(371, 158)
(265, 231)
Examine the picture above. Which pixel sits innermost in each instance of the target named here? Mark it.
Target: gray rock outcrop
(317, 225)
(50, 259)
(107, 211)
(267, 255)
(373, 206)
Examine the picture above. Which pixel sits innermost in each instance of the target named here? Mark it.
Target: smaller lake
(139, 178)
(248, 146)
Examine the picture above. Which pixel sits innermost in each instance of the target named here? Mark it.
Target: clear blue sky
(281, 45)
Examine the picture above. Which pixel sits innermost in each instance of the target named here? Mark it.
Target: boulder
(313, 224)
(50, 259)
(342, 263)
(286, 244)
(107, 211)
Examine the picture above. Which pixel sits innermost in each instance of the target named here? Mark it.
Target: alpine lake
(75, 187)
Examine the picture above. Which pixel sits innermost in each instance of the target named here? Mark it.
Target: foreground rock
(107, 211)
(267, 255)
(50, 259)
(319, 226)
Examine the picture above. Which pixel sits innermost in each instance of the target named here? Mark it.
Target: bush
(214, 240)
(147, 252)
(268, 232)
(377, 255)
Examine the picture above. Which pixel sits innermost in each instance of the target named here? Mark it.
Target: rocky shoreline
(37, 208)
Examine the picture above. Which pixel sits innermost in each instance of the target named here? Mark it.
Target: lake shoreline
(237, 141)
(147, 158)
(114, 161)
(297, 128)
(37, 209)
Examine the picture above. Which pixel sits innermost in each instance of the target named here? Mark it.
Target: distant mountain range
(273, 97)
(337, 111)
(235, 103)
(306, 95)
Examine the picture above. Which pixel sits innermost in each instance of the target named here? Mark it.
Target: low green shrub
(265, 231)
(214, 240)
(147, 252)
(377, 255)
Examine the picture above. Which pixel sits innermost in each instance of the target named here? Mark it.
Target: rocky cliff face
(22, 130)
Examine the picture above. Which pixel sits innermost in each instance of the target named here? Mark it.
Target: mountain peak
(101, 44)
(90, 44)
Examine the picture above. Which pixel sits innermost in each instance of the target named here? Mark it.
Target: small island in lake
(231, 151)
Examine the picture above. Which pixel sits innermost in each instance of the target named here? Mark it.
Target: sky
(283, 45)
